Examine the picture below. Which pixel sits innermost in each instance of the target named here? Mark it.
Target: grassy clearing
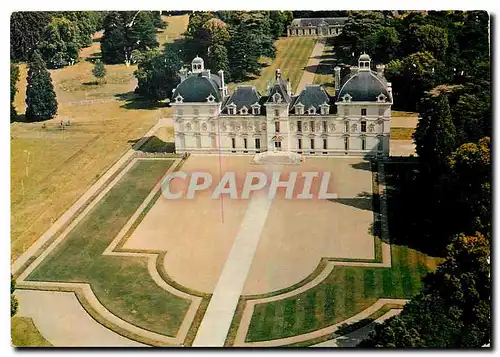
(325, 74)
(176, 26)
(122, 284)
(292, 56)
(402, 133)
(25, 334)
(397, 113)
(50, 167)
(344, 293)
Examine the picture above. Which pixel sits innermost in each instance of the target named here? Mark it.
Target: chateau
(356, 121)
(330, 26)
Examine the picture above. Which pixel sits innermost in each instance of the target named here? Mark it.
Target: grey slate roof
(312, 95)
(364, 86)
(280, 86)
(197, 87)
(316, 21)
(243, 96)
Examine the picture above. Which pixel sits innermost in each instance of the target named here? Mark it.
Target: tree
(357, 28)
(113, 41)
(217, 59)
(383, 44)
(59, 46)
(453, 309)
(14, 77)
(99, 71)
(14, 304)
(470, 183)
(141, 34)
(41, 103)
(435, 134)
(280, 20)
(26, 31)
(157, 74)
(433, 39)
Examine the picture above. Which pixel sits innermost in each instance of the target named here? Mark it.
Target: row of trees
(420, 50)
(232, 41)
(450, 206)
(58, 35)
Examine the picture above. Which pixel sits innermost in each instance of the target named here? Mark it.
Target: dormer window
(325, 108)
(179, 99)
(311, 111)
(256, 109)
(210, 98)
(244, 111)
(381, 97)
(363, 112)
(346, 98)
(277, 98)
(231, 109)
(299, 109)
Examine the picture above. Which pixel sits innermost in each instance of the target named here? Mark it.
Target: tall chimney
(337, 78)
(183, 74)
(223, 88)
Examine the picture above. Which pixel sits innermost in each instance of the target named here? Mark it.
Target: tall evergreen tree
(113, 42)
(435, 133)
(14, 77)
(41, 99)
(26, 31)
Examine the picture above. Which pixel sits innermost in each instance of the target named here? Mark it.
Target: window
(277, 145)
(324, 110)
(311, 111)
(312, 126)
(363, 111)
(363, 143)
(312, 144)
(299, 110)
(244, 111)
(277, 113)
(299, 126)
(363, 126)
(233, 144)
(325, 144)
(256, 110)
(198, 141)
(277, 126)
(231, 110)
(299, 143)
(346, 143)
(325, 126)
(257, 144)
(245, 145)
(346, 126)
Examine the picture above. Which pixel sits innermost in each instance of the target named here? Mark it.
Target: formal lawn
(51, 167)
(402, 133)
(292, 56)
(122, 284)
(25, 334)
(344, 293)
(325, 74)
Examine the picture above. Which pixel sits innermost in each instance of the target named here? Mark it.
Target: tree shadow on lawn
(135, 101)
(363, 201)
(154, 144)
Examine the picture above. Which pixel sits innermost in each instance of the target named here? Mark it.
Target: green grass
(344, 293)
(325, 74)
(397, 113)
(122, 284)
(25, 334)
(402, 133)
(292, 55)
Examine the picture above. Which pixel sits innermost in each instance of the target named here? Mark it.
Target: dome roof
(364, 87)
(197, 88)
(197, 60)
(364, 57)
